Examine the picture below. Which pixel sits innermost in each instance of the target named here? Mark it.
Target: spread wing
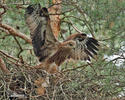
(60, 56)
(77, 47)
(43, 40)
(45, 45)
(85, 48)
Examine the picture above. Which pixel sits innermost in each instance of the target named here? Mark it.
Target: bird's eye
(70, 44)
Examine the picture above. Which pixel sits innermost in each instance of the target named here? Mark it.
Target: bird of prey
(50, 52)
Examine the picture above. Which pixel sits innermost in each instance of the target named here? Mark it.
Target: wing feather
(43, 41)
(89, 47)
(86, 47)
(60, 56)
(38, 40)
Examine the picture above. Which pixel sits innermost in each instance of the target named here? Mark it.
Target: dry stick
(76, 28)
(9, 56)
(82, 66)
(113, 60)
(3, 67)
(13, 59)
(3, 30)
(21, 49)
(63, 92)
(14, 32)
(18, 62)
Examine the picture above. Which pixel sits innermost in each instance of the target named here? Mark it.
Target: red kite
(48, 49)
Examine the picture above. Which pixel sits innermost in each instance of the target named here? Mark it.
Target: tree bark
(55, 10)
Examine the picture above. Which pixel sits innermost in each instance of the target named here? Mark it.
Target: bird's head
(44, 12)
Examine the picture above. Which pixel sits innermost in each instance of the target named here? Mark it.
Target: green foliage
(104, 78)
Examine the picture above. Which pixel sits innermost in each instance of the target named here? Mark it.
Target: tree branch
(9, 56)
(14, 60)
(4, 10)
(82, 66)
(3, 66)
(14, 32)
(87, 23)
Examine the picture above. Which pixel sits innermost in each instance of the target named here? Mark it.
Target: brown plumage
(52, 53)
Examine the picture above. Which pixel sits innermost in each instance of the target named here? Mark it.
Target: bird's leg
(51, 68)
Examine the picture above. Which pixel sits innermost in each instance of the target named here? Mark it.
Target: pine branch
(14, 32)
